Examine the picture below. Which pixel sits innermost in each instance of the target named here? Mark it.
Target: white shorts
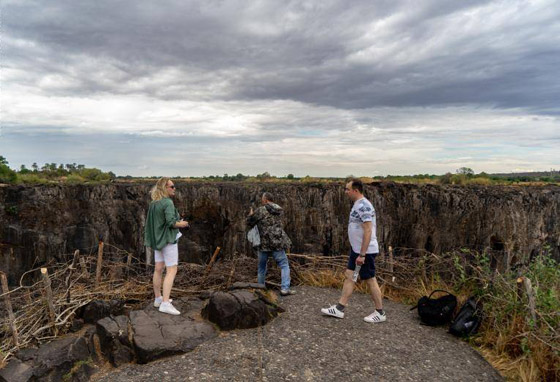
(168, 254)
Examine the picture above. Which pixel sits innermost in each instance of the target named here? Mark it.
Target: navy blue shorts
(368, 267)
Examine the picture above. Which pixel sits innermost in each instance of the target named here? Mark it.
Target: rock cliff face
(41, 222)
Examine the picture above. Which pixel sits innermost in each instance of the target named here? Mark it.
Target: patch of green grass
(77, 366)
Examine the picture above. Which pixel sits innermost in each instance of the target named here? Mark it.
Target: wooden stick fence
(49, 299)
(99, 263)
(67, 287)
(8, 305)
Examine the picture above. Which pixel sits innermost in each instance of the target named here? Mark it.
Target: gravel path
(302, 345)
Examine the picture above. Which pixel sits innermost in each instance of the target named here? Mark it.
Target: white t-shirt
(362, 211)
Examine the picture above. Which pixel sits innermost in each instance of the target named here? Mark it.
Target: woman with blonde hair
(162, 234)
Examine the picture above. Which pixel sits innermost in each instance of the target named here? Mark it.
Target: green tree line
(49, 172)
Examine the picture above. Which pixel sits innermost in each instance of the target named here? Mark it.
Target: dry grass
(132, 284)
(520, 349)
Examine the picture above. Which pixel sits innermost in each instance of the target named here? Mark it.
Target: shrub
(7, 175)
(480, 180)
(32, 178)
(74, 179)
(94, 174)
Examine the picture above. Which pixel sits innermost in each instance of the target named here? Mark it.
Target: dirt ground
(303, 345)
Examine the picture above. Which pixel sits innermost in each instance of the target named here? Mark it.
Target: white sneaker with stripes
(376, 317)
(332, 311)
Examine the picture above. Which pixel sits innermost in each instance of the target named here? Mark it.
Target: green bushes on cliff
(7, 175)
(53, 173)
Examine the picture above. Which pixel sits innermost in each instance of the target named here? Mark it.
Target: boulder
(114, 339)
(240, 309)
(98, 309)
(77, 325)
(57, 358)
(157, 335)
(16, 371)
(50, 362)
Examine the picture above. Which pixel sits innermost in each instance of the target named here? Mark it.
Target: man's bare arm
(365, 242)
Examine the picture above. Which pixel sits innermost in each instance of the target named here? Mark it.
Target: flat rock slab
(157, 335)
(302, 345)
(146, 335)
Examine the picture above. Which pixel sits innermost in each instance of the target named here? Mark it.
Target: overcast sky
(321, 88)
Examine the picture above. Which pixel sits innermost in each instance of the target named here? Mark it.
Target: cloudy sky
(321, 88)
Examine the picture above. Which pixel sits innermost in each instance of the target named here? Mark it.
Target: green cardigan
(160, 225)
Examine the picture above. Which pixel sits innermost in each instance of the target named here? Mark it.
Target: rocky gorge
(44, 222)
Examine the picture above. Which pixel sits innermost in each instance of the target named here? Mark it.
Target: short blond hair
(159, 191)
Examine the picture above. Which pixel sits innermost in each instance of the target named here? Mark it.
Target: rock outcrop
(38, 223)
(240, 309)
(141, 336)
(68, 358)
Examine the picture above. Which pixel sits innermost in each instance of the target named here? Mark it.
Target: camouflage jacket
(268, 219)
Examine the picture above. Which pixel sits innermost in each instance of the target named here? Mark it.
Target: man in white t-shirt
(364, 248)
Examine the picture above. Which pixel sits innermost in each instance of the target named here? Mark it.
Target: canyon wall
(38, 223)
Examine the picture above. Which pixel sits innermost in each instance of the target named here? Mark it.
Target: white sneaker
(332, 311)
(158, 301)
(376, 317)
(287, 292)
(167, 307)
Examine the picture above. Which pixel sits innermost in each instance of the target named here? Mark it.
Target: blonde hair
(159, 191)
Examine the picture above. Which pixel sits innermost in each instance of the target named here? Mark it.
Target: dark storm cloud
(306, 87)
(346, 55)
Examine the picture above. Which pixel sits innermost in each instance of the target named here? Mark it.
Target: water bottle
(356, 273)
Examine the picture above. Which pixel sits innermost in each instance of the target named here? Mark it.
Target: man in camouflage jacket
(274, 241)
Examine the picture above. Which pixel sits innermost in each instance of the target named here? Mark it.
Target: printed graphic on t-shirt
(362, 212)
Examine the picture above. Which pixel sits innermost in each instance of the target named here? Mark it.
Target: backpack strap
(438, 290)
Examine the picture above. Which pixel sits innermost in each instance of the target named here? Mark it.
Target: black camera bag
(467, 320)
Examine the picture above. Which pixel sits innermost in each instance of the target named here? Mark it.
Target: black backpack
(467, 320)
(436, 311)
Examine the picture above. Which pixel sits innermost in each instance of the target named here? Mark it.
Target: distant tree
(71, 166)
(24, 170)
(3, 160)
(465, 171)
(264, 175)
(35, 167)
(290, 176)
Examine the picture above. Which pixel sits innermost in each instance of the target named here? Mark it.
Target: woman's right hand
(182, 224)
